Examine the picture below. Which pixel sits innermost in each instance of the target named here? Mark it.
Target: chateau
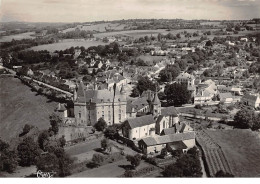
(90, 105)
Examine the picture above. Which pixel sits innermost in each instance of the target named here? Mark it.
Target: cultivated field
(28, 35)
(20, 106)
(241, 149)
(67, 43)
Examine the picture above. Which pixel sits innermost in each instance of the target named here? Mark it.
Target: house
(139, 127)
(251, 100)
(205, 91)
(225, 97)
(172, 142)
(187, 79)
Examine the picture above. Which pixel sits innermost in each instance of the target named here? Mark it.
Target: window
(79, 115)
(119, 117)
(103, 107)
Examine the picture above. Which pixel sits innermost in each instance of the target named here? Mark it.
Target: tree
(62, 141)
(43, 139)
(208, 43)
(222, 174)
(143, 84)
(177, 94)
(97, 159)
(100, 125)
(28, 150)
(129, 173)
(57, 161)
(246, 118)
(116, 49)
(169, 73)
(134, 160)
(26, 130)
(163, 152)
(48, 163)
(186, 166)
(111, 132)
(55, 121)
(104, 144)
(8, 158)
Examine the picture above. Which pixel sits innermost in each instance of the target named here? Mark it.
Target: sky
(98, 10)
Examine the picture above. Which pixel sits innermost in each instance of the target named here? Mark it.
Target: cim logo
(41, 174)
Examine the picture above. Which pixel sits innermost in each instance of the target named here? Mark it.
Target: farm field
(67, 43)
(28, 35)
(243, 158)
(97, 27)
(20, 106)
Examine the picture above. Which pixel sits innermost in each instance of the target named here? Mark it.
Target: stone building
(90, 105)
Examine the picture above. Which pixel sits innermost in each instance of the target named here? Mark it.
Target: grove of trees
(177, 94)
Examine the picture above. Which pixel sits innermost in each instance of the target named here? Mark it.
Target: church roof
(156, 99)
(141, 121)
(169, 111)
(168, 131)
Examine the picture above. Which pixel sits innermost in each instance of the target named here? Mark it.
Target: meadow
(67, 43)
(20, 106)
(27, 35)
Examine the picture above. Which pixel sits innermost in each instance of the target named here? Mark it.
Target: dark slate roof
(150, 141)
(98, 96)
(250, 97)
(225, 95)
(160, 117)
(156, 99)
(168, 131)
(179, 145)
(141, 121)
(169, 111)
(140, 103)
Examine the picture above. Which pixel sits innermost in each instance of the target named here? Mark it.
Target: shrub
(151, 160)
(129, 174)
(198, 106)
(100, 125)
(97, 159)
(134, 160)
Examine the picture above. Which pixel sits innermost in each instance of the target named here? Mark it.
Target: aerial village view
(128, 96)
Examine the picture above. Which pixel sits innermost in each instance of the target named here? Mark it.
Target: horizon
(66, 11)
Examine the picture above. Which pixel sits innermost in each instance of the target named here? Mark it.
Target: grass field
(65, 44)
(142, 33)
(98, 27)
(19, 105)
(17, 37)
(241, 148)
